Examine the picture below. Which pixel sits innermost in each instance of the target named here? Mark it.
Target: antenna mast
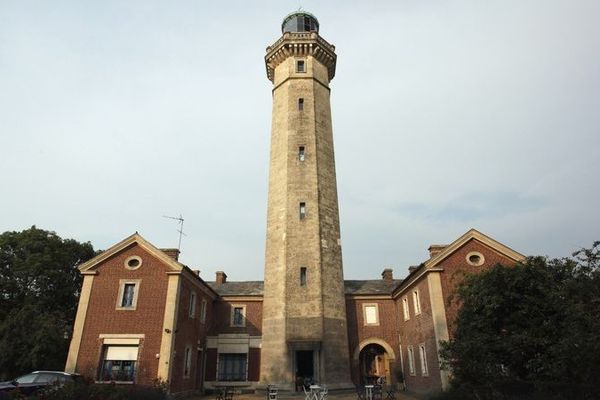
(180, 230)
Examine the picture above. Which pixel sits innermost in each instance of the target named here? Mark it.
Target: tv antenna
(180, 230)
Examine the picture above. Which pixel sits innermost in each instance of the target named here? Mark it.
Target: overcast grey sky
(447, 115)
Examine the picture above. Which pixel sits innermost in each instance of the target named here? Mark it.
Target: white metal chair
(323, 393)
(307, 393)
(272, 392)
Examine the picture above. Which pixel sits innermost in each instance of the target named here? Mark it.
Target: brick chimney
(412, 268)
(221, 277)
(387, 274)
(173, 253)
(436, 249)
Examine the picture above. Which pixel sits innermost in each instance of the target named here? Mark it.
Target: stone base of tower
(307, 362)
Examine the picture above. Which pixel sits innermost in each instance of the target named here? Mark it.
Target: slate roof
(255, 288)
(233, 288)
(378, 286)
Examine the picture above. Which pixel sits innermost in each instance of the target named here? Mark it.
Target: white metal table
(369, 392)
(315, 391)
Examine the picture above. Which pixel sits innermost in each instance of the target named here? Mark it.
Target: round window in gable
(133, 262)
(475, 258)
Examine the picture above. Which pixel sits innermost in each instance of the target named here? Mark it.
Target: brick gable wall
(456, 267)
(103, 318)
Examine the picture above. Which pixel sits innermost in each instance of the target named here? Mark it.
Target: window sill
(115, 382)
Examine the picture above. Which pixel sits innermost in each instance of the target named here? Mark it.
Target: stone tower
(304, 315)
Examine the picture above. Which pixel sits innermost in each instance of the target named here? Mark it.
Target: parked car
(37, 380)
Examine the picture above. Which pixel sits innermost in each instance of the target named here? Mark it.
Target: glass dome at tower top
(300, 21)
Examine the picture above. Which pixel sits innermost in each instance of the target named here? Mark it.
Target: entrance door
(304, 367)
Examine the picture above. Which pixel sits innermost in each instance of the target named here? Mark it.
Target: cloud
(473, 206)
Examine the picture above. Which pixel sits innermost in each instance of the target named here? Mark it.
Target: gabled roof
(471, 234)
(90, 265)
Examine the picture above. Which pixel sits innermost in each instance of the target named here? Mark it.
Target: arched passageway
(374, 363)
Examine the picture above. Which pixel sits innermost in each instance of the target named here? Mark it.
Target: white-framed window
(187, 362)
(411, 360)
(232, 367)
(405, 309)
(118, 363)
(371, 314)
(192, 308)
(423, 356)
(300, 66)
(133, 262)
(302, 210)
(475, 258)
(128, 294)
(238, 315)
(203, 311)
(417, 302)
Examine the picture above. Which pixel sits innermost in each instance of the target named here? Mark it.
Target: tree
(39, 289)
(530, 329)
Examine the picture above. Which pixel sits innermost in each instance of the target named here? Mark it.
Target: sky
(447, 115)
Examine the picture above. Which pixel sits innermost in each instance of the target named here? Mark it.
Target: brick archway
(373, 358)
(373, 340)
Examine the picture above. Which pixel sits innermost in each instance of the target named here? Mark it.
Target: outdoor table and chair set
(313, 392)
(375, 392)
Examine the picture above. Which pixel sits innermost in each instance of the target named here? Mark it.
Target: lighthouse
(304, 315)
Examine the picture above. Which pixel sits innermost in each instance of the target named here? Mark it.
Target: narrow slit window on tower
(300, 104)
(300, 67)
(302, 210)
(302, 276)
(301, 153)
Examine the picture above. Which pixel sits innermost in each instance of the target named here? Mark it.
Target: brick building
(144, 316)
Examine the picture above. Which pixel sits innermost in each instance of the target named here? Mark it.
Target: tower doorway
(305, 372)
(374, 364)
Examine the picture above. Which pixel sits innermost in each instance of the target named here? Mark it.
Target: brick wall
(387, 330)
(190, 333)
(222, 317)
(417, 330)
(211, 365)
(254, 365)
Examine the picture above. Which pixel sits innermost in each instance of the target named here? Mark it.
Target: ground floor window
(411, 360)
(232, 367)
(118, 363)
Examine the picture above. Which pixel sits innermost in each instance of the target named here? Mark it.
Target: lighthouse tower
(304, 333)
